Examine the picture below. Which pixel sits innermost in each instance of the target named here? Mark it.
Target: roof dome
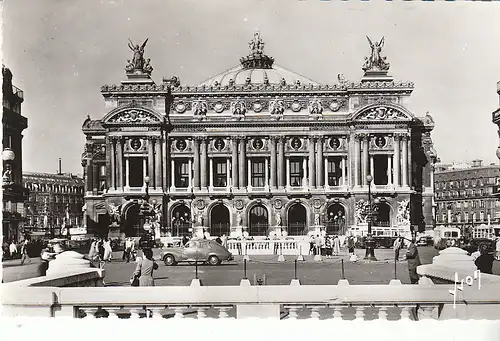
(257, 68)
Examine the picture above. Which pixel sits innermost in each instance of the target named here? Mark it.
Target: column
(273, 162)
(396, 160)
(356, 160)
(164, 163)
(157, 164)
(211, 181)
(304, 172)
(389, 169)
(90, 175)
(196, 162)
(144, 170)
(172, 173)
(404, 168)
(112, 157)
(365, 160)
(319, 162)
(348, 161)
(119, 163)
(249, 173)
(228, 173)
(151, 171)
(266, 173)
(312, 177)
(127, 173)
(234, 160)
(190, 174)
(325, 175)
(203, 163)
(281, 161)
(242, 163)
(343, 171)
(410, 168)
(95, 177)
(372, 166)
(287, 172)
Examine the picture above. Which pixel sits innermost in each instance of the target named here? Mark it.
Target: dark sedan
(196, 250)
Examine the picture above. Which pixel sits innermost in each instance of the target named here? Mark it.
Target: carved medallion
(258, 106)
(180, 107)
(317, 203)
(135, 144)
(257, 144)
(239, 204)
(334, 106)
(278, 204)
(296, 143)
(219, 107)
(296, 106)
(200, 204)
(334, 143)
(181, 145)
(219, 144)
(380, 141)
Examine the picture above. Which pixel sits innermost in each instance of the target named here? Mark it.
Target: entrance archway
(336, 220)
(131, 220)
(258, 221)
(219, 220)
(297, 219)
(382, 216)
(181, 220)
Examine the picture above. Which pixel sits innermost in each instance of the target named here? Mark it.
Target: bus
(447, 237)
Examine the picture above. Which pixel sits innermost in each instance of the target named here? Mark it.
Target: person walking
(350, 245)
(497, 247)
(107, 250)
(413, 260)
(13, 250)
(336, 245)
(24, 253)
(397, 247)
(144, 269)
(46, 257)
(100, 248)
(128, 249)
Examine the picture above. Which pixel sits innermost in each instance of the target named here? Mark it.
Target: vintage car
(196, 250)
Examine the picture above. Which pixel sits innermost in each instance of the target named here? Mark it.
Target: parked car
(201, 250)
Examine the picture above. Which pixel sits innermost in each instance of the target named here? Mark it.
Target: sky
(61, 52)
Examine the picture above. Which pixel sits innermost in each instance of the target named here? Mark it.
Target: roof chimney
(60, 166)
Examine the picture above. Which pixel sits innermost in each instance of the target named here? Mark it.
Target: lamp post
(369, 241)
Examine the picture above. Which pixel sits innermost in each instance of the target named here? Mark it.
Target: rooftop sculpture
(138, 62)
(376, 62)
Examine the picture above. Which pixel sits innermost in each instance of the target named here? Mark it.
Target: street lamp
(369, 241)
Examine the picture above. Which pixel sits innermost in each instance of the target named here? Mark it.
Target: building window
(181, 173)
(466, 216)
(481, 204)
(333, 171)
(296, 172)
(459, 204)
(481, 216)
(258, 173)
(445, 218)
(220, 173)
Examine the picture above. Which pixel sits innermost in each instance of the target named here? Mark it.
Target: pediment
(383, 112)
(131, 115)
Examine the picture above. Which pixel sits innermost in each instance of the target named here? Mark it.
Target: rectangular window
(181, 173)
(466, 217)
(296, 172)
(220, 173)
(333, 172)
(459, 204)
(258, 173)
(481, 216)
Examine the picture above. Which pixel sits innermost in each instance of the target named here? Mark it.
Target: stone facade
(14, 194)
(258, 148)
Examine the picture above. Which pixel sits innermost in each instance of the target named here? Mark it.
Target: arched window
(181, 221)
(258, 221)
(219, 220)
(297, 220)
(336, 222)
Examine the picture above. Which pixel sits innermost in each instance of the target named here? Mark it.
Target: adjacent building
(257, 148)
(465, 195)
(55, 204)
(14, 194)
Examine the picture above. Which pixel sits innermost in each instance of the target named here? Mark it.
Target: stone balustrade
(394, 301)
(268, 247)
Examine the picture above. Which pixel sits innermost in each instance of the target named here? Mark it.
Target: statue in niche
(278, 219)
(200, 219)
(239, 219)
(316, 219)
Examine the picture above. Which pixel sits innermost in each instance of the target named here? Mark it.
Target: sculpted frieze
(134, 116)
(382, 113)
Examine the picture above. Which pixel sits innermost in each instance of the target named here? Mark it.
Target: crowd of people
(100, 251)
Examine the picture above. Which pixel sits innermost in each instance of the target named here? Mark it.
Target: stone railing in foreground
(268, 247)
(394, 301)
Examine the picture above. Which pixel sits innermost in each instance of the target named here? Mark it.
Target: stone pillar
(343, 171)
(127, 173)
(389, 170)
(228, 173)
(287, 172)
(203, 163)
(90, 174)
(365, 160)
(404, 168)
(234, 161)
(410, 168)
(325, 175)
(151, 172)
(357, 144)
(164, 160)
(119, 163)
(112, 156)
(211, 168)
(319, 162)
(304, 172)
(312, 177)
(190, 174)
(196, 162)
(372, 167)
(266, 173)
(281, 164)
(95, 177)
(396, 160)
(157, 164)
(144, 169)
(348, 161)
(249, 173)
(273, 162)
(172, 173)
(242, 163)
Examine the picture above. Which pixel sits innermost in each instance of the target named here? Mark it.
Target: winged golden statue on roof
(376, 62)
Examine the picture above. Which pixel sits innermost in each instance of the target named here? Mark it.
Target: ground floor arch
(382, 215)
(131, 219)
(258, 220)
(181, 220)
(219, 220)
(336, 219)
(297, 219)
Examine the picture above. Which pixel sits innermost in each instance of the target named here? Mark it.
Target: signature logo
(469, 280)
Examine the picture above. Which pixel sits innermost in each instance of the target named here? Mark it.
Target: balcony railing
(50, 296)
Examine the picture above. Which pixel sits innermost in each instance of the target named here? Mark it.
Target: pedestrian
(144, 269)
(350, 245)
(46, 257)
(328, 246)
(475, 255)
(413, 260)
(92, 250)
(224, 240)
(397, 247)
(311, 245)
(185, 239)
(24, 253)
(317, 245)
(100, 248)
(13, 250)
(107, 250)
(484, 262)
(497, 247)
(322, 245)
(128, 249)
(336, 245)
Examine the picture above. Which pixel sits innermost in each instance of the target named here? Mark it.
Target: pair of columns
(364, 164)
(152, 163)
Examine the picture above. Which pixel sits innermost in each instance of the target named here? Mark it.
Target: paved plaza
(328, 271)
